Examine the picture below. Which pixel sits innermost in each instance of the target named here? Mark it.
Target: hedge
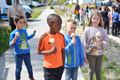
(4, 38)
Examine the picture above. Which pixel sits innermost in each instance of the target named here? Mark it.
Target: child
(51, 45)
(95, 61)
(19, 40)
(74, 56)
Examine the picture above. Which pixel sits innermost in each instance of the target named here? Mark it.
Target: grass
(37, 11)
(59, 11)
(4, 38)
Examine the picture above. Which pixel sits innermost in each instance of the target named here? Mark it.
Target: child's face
(71, 28)
(20, 23)
(95, 20)
(55, 27)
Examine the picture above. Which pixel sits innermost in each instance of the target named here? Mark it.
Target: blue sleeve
(11, 38)
(30, 36)
(81, 53)
(68, 46)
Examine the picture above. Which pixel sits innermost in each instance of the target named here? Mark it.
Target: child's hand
(86, 61)
(73, 34)
(34, 32)
(53, 50)
(73, 38)
(17, 34)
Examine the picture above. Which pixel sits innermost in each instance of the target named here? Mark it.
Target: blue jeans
(71, 73)
(27, 60)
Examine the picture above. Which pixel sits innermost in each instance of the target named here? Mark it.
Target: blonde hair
(101, 19)
(72, 21)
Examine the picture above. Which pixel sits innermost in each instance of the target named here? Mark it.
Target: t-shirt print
(23, 44)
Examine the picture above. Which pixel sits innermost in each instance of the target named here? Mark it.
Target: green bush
(51, 7)
(4, 38)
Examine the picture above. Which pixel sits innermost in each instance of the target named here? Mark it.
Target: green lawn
(37, 11)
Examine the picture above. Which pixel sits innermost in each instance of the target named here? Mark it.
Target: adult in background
(15, 10)
(76, 11)
(119, 20)
(116, 3)
(105, 17)
(115, 19)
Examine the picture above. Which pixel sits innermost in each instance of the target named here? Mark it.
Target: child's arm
(63, 56)
(69, 45)
(12, 41)
(47, 52)
(81, 53)
(32, 35)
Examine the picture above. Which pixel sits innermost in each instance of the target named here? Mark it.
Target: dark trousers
(106, 26)
(115, 29)
(19, 59)
(95, 63)
(53, 73)
(119, 27)
(77, 16)
(11, 23)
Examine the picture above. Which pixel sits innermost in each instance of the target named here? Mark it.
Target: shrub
(4, 38)
(51, 7)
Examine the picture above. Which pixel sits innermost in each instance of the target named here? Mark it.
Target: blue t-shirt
(115, 17)
(21, 45)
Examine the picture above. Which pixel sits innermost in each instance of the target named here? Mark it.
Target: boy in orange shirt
(51, 45)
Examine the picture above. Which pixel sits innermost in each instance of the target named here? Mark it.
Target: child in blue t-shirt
(74, 54)
(19, 40)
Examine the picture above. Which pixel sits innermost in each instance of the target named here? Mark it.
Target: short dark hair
(54, 18)
(72, 21)
(17, 18)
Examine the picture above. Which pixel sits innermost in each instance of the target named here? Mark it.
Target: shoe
(31, 78)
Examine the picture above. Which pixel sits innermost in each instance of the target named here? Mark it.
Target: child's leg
(92, 61)
(67, 73)
(18, 61)
(98, 67)
(74, 73)
(113, 29)
(49, 74)
(27, 61)
(116, 29)
(53, 73)
(59, 72)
